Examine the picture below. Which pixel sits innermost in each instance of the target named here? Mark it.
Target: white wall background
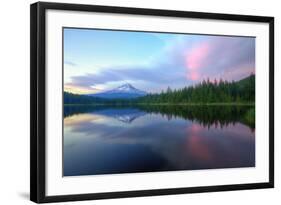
(14, 101)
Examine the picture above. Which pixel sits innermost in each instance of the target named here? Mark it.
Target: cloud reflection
(179, 144)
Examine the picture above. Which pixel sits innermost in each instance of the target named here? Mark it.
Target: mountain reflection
(126, 115)
(204, 115)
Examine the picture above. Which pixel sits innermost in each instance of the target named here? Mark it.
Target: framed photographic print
(129, 102)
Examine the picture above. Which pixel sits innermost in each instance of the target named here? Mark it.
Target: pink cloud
(196, 59)
(194, 75)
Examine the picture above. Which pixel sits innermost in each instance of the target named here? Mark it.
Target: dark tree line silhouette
(221, 91)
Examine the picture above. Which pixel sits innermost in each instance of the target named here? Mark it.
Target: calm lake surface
(109, 140)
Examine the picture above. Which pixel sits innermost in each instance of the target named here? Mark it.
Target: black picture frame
(38, 101)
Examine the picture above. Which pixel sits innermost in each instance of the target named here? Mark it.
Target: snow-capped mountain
(124, 91)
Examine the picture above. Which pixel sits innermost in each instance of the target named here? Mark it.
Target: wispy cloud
(79, 89)
(70, 63)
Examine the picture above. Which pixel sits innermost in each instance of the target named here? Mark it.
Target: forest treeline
(218, 91)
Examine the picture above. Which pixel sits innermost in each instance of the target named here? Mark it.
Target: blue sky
(99, 60)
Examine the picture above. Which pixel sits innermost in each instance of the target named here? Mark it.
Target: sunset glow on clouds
(98, 60)
(195, 60)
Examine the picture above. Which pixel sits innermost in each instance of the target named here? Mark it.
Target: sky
(100, 60)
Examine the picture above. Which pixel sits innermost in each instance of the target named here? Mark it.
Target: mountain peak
(126, 86)
(124, 91)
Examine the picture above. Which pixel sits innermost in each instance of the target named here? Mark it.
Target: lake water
(110, 140)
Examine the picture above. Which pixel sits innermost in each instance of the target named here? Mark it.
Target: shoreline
(163, 104)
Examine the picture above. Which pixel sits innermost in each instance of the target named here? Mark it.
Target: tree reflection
(207, 116)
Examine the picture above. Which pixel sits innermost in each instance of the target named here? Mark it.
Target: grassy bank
(250, 116)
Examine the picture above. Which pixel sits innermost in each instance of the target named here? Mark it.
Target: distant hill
(247, 86)
(126, 91)
(247, 82)
(70, 98)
